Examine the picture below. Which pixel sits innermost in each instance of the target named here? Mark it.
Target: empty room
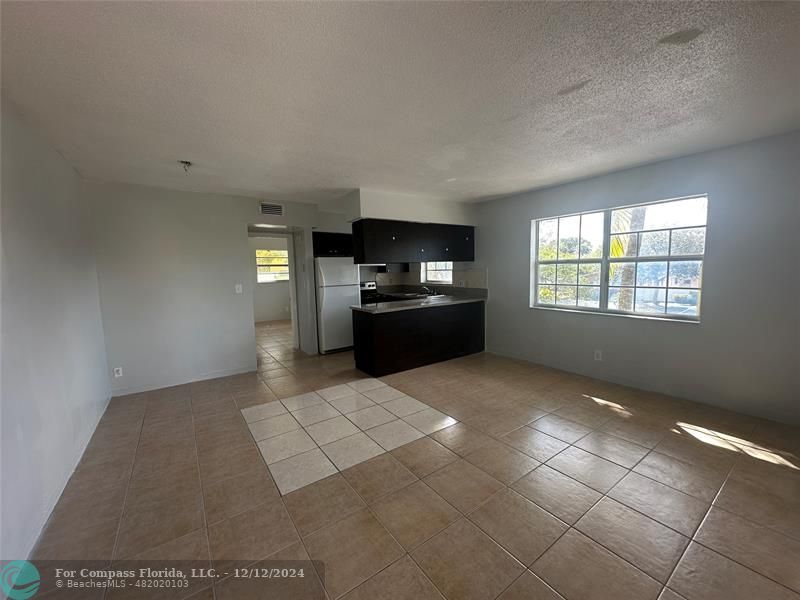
(400, 300)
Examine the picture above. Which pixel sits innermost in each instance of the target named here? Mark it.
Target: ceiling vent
(275, 210)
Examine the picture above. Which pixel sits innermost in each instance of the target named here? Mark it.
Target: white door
(334, 316)
(336, 271)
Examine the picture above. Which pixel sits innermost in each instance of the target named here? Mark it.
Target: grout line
(127, 488)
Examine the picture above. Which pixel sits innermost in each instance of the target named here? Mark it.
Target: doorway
(274, 293)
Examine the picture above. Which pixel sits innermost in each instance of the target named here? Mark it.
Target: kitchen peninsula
(389, 337)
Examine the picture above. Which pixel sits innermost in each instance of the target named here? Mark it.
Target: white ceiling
(452, 100)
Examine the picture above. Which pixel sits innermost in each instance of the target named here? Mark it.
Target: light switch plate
(238, 288)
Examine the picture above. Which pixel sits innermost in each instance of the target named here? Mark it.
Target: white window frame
(424, 273)
(606, 260)
(288, 268)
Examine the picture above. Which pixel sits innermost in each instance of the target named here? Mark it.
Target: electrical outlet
(462, 283)
(598, 355)
(238, 288)
(117, 372)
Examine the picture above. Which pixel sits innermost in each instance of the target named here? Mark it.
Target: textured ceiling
(455, 100)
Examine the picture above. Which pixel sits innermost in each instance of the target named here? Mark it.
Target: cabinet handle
(447, 249)
(394, 238)
(422, 249)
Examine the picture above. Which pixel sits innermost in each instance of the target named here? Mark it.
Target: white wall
(379, 204)
(271, 301)
(745, 354)
(54, 379)
(168, 263)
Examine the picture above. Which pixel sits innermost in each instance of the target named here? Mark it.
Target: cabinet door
(382, 241)
(461, 243)
(332, 244)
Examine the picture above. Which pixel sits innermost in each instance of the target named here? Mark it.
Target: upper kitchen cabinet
(332, 244)
(384, 241)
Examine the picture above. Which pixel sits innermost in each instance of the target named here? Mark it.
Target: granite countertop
(430, 302)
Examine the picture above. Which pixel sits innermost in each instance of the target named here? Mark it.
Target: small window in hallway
(272, 265)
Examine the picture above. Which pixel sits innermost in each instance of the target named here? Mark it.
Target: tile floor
(545, 486)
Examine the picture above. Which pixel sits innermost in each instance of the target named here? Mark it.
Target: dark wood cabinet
(390, 342)
(394, 268)
(384, 241)
(332, 244)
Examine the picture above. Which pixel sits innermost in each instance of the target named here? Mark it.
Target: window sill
(616, 314)
(271, 282)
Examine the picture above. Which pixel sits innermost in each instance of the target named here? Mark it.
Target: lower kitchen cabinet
(395, 341)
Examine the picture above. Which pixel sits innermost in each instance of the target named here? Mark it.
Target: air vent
(272, 209)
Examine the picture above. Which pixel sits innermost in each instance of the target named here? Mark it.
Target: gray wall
(271, 301)
(168, 264)
(54, 380)
(744, 354)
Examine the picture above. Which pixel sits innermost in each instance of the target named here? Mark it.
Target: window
(644, 260)
(437, 272)
(272, 266)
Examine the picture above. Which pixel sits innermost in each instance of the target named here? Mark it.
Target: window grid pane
(639, 274)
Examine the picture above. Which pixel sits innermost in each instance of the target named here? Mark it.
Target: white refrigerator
(337, 291)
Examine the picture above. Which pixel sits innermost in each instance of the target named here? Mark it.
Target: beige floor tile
(335, 392)
(598, 473)
(353, 550)
(352, 450)
(644, 432)
(293, 473)
(640, 540)
(534, 443)
(403, 580)
(236, 494)
(703, 452)
(577, 567)
(697, 481)
(251, 535)
(222, 461)
(702, 574)
(502, 462)
(404, 406)
(461, 439)
(668, 594)
(561, 428)
(370, 417)
(414, 514)
(155, 524)
(517, 524)
(301, 401)
(530, 587)
(463, 485)
(263, 411)
(769, 496)
(464, 563)
(294, 556)
(424, 456)
(558, 494)
(613, 448)
(394, 434)
(366, 385)
(378, 476)
(315, 414)
(322, 503)
(267, 428)
(331, 430)
(666, 505)
(430, 420)
(762, 550)
(286, 445)
(351, 403)
(384, 394)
